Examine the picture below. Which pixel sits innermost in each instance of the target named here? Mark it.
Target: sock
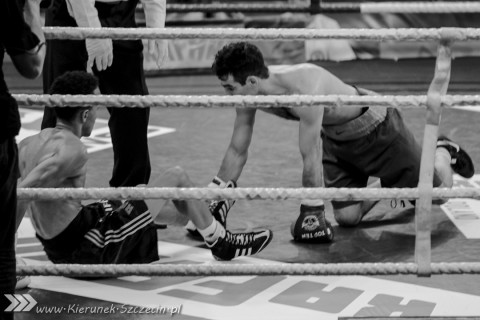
(214, 231)
(443, 152)
(443, 166)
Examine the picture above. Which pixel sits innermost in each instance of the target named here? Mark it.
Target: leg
(450, 158)
(350, 213)
(405, 173)
(128, 126)
(443, 169)
(224, 245)
(338, 173)
(61, 55)
(195, 210)
(8, 200)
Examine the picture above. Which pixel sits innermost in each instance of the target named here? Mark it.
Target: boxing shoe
(232, 245)
(218, 208)
(461, 162)
(311, 226)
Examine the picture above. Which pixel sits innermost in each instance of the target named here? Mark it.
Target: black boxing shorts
(106, 232)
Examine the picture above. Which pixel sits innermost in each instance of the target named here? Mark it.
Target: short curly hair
(241, 60)
(72, 82)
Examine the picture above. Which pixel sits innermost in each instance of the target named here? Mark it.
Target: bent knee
(349, 216)
(180, 176)
(176, 171)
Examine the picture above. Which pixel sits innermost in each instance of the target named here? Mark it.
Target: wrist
(307, 208)
(312, 202)
(219, 183)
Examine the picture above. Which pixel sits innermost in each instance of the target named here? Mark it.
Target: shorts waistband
(358, 127)
(361, 125)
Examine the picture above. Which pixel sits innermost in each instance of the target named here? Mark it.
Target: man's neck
(272, 86)
(63, 125)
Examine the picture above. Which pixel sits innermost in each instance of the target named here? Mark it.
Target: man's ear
(84, 115)
(252, 81)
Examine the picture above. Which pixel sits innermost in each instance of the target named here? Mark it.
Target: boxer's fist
(311, 226)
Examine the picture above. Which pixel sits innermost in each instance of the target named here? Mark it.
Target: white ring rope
(420, 7)
(332, 7)
(203, 101)
(407, 34)
(216, 269)
(241, 193)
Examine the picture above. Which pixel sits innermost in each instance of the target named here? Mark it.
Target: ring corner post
(438, 88)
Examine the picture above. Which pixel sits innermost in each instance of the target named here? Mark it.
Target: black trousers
(8, 206)
(128, 126)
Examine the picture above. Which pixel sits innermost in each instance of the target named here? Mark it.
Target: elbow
(35, 68)
(30, 66)
(31, 73)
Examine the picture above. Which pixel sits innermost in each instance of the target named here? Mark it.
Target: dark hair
(240, 59)
(72, 82)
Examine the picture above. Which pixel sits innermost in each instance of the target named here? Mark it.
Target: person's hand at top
(155, 11)
(100, 51)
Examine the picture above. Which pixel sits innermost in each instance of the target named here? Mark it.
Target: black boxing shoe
(461, 162)
(232, 245)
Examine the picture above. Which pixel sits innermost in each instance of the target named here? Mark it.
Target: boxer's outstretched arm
(237, 152)
(310, 144)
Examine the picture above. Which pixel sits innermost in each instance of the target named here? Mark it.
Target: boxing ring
(434, 101)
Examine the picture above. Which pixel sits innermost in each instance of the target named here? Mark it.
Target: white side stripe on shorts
(127, 225)
(102, 243)
(120, 234)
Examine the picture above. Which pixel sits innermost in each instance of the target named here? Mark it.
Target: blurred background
(378, 60)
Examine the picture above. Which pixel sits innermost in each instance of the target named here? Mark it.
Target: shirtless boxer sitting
(107, 231)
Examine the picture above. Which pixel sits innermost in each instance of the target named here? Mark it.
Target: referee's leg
(128, 126)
